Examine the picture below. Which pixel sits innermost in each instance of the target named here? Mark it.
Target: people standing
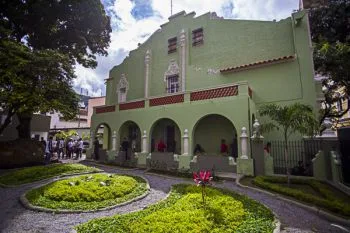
(43, 142)
(80, 148)
(60, 148)
(96, 149)
(70, 148)
(125, 147)
(48, 151)
(161, 146)
(223, 147)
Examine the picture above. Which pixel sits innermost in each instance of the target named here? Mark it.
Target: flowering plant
(203, 178)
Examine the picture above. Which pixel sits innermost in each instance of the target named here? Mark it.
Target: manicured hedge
(87, 192)
(328, 200)
(31, 174)
(183, 212)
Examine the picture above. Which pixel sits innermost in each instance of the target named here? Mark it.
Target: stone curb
(24, 201)
(314, 209)
(111, 166)
(50, 178)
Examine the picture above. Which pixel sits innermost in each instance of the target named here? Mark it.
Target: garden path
(14, 218)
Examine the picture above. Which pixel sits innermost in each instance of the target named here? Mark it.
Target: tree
(330, 33)
(289, 119)
(41, 41)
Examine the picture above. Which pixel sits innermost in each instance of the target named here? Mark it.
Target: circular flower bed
(184, 211)
(87, 192)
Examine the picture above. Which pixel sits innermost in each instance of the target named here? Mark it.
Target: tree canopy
(330, 33)
(40, 43)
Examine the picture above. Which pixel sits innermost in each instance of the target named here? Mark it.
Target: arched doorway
(213, 130)
(130, 136)
(103, 134)
(165, 131)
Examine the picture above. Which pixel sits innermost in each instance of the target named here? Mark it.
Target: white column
(186, 142)
(183, 59)
(244, 143)
(114, 141)
(144, 142)
(147, 64)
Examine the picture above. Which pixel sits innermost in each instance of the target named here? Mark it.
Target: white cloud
(130, 31)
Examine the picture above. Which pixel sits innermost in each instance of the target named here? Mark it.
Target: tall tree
(330, 33)
(289, 119)
(41, 41)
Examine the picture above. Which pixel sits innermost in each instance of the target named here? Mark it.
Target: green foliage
(88, 192)
(40, 43)
(290, 118)
(328, 201)
(67, 134)
(330, 32)
(31, 174)
(183, 211)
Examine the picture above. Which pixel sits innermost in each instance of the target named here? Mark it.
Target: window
(197, 37)
(172, 45)
(122, 95)
(173, 84)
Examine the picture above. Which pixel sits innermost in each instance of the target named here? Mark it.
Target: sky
(133, 21)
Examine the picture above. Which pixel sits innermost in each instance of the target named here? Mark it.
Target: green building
(199, 80)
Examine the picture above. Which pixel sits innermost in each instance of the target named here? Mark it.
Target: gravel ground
(15, 218)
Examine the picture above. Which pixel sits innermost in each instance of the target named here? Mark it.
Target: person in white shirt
(79, 148)
(48, 151)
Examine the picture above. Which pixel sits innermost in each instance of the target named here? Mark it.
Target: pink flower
(203, 178)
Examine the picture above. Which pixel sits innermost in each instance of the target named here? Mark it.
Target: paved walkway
(14, 218)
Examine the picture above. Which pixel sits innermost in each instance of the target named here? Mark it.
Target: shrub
(88, 192)
(183, 211)
(328, 200)
(31, 174)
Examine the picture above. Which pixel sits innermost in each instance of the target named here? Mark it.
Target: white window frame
(173, 84)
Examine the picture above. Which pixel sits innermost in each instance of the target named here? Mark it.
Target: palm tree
(289, 119)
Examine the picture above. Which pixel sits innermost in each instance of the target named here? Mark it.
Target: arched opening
(103, 134)
(165, 136)
(215, 135)
(130, 137)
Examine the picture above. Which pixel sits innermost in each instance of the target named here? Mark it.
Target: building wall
(94, 102)
(226, 43)
(40, 125)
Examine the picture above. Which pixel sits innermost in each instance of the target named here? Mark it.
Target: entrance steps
(227, 175)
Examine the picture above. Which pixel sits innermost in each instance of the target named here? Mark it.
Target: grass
(183, 212)
(31, 174)
(87, 192)
(309, 191)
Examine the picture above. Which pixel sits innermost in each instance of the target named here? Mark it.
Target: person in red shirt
(223, 147)
(161, 146)
(267, 149)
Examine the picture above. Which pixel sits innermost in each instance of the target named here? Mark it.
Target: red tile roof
(257, 64)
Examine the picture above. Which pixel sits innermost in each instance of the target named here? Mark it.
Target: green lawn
(309, 191)
(31, 174)
(183, 212)
(88, 192)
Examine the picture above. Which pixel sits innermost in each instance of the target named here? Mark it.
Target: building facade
(200, 80)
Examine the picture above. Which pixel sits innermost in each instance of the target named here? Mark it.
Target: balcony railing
(180, 97)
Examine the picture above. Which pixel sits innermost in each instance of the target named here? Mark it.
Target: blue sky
(133, 21)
